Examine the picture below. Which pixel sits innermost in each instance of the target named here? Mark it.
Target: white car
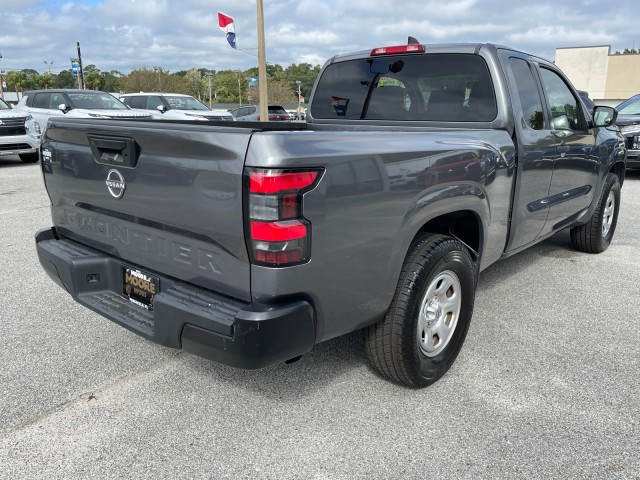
(18, 134)
(42, 104)
(173, 106)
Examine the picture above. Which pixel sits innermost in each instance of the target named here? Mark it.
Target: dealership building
(609, 78)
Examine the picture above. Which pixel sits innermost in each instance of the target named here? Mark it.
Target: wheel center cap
(434, 311)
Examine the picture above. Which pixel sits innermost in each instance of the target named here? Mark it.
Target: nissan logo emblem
(115, 183)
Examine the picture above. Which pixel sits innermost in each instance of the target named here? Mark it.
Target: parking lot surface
(546, 386)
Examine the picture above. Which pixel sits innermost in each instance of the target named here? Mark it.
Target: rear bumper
(198, 321)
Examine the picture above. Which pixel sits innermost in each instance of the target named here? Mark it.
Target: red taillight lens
(279, 235)
(413, 48)
(273, 181)
(278, 231)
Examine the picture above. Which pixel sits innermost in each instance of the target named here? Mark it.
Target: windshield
(185, 103)
(438, 87)
(3, 105)
(95, 100)
(629, 107)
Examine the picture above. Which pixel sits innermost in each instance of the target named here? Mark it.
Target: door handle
(118, 151)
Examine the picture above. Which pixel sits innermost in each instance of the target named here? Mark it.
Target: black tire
(29, 157)
(393, 345)
(594, 236)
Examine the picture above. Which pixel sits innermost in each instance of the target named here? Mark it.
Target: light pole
(48, 64)
(239, 94)
(1, 82)
(158, 70)
(298, 82)
(209, 75)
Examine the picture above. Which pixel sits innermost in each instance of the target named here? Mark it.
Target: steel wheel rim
(607, 216)
(439, 313)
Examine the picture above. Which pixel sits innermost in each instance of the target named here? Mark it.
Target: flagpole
(262, 65)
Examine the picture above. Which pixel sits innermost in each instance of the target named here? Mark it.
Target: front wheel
(426, 325)
(595, 235)
(29, 157)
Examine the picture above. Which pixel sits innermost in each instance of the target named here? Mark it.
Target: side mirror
(604, 116)
(63, 108)
(161, 108)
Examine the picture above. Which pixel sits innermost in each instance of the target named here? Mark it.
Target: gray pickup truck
(418, 167)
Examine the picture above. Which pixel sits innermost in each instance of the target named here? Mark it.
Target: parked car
(174, 106)
(629, 123)
(251, 113)
(18, 134)
(43, 104)
(419, 166)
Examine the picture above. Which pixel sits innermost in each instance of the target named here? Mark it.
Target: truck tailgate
(162, 196)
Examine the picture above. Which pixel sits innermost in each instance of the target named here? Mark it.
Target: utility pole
(262, 65)
(239, 94)
(80, 74)
(209, 75)
(1, 82)
(298, 82)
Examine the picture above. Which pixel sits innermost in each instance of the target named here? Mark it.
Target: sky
(181, 34)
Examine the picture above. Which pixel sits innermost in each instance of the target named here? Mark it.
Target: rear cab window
(443, 87)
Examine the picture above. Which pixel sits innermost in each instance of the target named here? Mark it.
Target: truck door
(536, 145)
(576, 168)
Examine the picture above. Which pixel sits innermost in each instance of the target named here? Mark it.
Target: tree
(145, 79)
(278, 92)
(17, 80)
(194, 83)
(304, 73)
(628, 51)
(65, 79)
(92, 79)
(46, 80)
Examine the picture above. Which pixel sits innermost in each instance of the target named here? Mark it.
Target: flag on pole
(228, 27)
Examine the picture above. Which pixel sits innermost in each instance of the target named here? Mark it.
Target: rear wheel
(595, 235)
(29, 157)
(425, 327)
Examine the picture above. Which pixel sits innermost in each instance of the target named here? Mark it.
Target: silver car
(173, 106)
(18, 135)
(42, 104)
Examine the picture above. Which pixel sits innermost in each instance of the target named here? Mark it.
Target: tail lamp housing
(278, 235)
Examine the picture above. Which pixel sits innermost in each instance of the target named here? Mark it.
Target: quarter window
(528, 93)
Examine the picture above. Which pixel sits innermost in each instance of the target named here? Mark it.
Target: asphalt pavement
(546, 386)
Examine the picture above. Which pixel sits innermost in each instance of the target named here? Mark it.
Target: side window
(126, 100)
(565, 110)
(139, 102)
(41, 100)
(153, 102)
(528, 93)
(56, 100)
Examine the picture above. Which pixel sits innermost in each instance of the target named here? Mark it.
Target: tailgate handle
(118, 151)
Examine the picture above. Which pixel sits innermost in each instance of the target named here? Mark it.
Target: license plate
(139, 287)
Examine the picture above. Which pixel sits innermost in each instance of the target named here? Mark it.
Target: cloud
(125, 34)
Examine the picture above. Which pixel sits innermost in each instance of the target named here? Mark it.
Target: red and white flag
(227, 25)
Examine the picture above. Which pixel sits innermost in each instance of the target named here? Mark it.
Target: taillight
(411, 48)
(278, 233)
